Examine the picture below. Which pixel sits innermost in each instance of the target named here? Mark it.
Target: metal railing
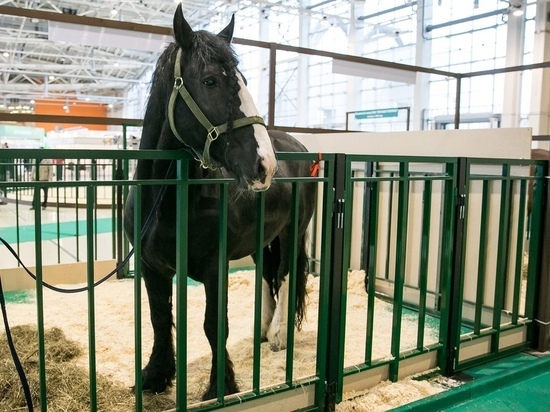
(409, 222)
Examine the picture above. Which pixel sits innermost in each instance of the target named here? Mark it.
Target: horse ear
(227, 33)
(183, 33)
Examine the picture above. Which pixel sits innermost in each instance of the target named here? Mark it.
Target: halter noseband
(213, 132)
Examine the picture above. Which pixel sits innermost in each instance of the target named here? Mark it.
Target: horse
(196, 84)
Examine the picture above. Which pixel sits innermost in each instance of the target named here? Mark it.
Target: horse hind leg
(160, 371)
(277, 333)
(268, 298)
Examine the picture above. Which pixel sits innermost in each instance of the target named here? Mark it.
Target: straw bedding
(66, 321)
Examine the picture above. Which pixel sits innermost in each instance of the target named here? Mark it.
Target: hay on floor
(114, 335)
(68, 384)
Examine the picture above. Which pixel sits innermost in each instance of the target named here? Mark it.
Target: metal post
(542, 329)
(119, 241)
(457, 101)
(457, 274)
(333, 370)
(272, 83)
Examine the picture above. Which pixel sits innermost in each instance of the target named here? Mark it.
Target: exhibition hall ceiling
(40, 58)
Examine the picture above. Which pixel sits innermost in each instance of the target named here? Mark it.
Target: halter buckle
(178, 82)
(213, 134)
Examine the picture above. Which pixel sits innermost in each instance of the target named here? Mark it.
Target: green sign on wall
(376, 113)
(10, 131)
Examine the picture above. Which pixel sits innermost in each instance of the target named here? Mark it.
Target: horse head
(212, 112)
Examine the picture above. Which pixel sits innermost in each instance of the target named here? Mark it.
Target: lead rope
(16, 361)
(15, 357)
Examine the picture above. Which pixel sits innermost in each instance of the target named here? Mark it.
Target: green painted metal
(258, 288)
(90, 272)
(182, 195)
(482, 259)
(442, 244)
(40, 312)
(327, 184)
(424, 256)
(293, 274)
(518, 269)
(138, 384)
(401, 253)
(371, 269)
(222, 292)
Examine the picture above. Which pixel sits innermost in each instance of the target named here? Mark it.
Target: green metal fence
(403, 237)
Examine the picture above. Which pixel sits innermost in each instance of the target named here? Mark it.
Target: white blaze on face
(265, 149)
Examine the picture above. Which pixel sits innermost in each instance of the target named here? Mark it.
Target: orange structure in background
(74, 108)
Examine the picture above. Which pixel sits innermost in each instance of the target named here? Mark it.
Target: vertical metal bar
(325, 274)
(400, 260)
(293, 256)
(518, 269)
(502, 256)
(137, 298)
(40, 304)
(258, 288)
(272, 84)
(90, 196)
(371, 268)
(119, 219)
(541, 203)
(58, 224)
(424, 259)
(456, 200)
(222, 292)
(182, 217)
(334, 373)
(367, 200)
(457, 100)
(390, 226)
(482, 256)
(114, 207)
(93, 171)
(77, 229)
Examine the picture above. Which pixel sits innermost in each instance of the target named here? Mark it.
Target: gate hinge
(461, 203)
(339, 207)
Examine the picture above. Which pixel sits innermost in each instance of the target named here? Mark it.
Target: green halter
(213, 131)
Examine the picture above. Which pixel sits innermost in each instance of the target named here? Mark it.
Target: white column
(539, 117)
(354, 48)
(512, 81)
(263, 68)
(423, 58)
(302, 116)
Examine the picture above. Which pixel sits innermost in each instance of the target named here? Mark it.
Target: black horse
(196, 84)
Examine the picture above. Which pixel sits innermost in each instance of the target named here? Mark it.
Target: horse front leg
(277, 332)
(161, 369)
(211, 331)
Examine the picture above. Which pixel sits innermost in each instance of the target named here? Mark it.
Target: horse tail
(302, 272)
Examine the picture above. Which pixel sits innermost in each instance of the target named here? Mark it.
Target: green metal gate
(425, 231)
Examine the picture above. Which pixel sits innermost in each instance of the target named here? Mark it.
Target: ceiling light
(518, 12)
(516, 9)
(51, 78)
(6, 54)
(32, 101)
(116, 64)
(114, 12)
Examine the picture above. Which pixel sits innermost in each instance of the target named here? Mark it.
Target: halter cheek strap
(213, 132)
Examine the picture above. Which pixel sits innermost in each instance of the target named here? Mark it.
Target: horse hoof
(277, 338)
(275, 348)
(153, 382)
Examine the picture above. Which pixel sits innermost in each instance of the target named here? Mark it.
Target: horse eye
(209, 82)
